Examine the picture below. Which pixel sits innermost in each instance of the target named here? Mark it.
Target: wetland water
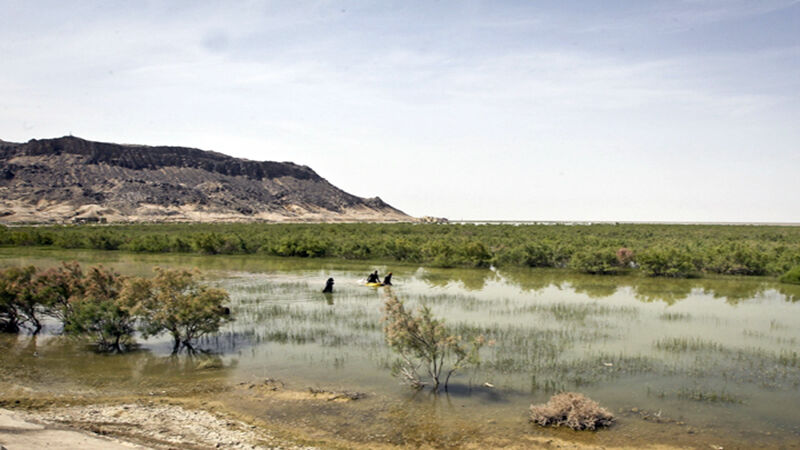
(686, 362)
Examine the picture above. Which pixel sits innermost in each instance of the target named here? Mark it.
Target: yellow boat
(374, 284)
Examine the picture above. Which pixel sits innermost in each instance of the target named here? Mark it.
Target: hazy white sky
(532, 110)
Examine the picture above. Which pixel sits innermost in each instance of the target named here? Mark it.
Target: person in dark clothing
(387, 280)
(373, 278)
(328, 286)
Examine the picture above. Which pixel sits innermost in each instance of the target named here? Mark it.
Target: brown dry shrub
(624, 256)
(572, 410)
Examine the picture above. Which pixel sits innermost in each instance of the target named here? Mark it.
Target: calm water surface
(689, 362)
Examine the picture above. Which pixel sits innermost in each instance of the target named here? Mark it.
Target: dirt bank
(130, 425)
(143, 424)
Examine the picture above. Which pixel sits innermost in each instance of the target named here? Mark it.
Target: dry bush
(624, 256)
(572, 410)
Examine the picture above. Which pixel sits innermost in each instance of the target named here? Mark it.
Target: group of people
(374, 278)
(371, 278)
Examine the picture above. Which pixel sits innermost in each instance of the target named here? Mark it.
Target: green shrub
(100, 312)
(402, 249)
(108, 321)
(208, 243)
(792, 276)
(104, 241)
(422, 340)
(595, 261)
(58, 288)
(736, 259)
(475, 254)
(535, 254)
(176, 303)
(18, 303)
(743, 250)
(666, 261)
(101, 304)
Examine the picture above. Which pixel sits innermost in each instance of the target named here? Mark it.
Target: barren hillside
(71, 180)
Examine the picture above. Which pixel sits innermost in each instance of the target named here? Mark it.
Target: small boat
(374, 284)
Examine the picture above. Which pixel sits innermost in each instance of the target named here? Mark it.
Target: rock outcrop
(74, 180)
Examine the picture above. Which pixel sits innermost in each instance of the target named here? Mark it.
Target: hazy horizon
(653, 111)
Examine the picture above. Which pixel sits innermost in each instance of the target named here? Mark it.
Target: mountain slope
(71, 179)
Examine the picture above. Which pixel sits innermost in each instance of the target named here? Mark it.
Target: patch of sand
(133, 425)
(18, 431)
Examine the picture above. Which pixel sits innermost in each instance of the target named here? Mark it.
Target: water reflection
(602, 287)
(471, 280)
(626, 341)
(656, 290)
(55, 361)
(790, 292)
(732, 289)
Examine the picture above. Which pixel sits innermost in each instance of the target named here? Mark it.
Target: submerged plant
(175, 302)
(59, 288)
(18, 304)
(107, 320)
(573, 410)
(422, 340)
(100, 312)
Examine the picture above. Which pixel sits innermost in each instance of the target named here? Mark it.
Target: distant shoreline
(621, 222)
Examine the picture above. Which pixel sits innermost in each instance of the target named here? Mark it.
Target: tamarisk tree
(175, 302)
(425, 342)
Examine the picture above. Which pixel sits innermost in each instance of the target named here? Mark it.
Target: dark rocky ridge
(139, 157)
(60, 179)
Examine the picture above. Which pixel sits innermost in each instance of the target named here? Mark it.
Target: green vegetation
(667, 261)
(602, 261)
(109, 308)
(17, 300)
(422, 340)
(98, 310)
(792, 276)
(176, 303)
(659, 250)
(708, 396)
(685, 344)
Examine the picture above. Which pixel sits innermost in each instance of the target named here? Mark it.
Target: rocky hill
(74, 180)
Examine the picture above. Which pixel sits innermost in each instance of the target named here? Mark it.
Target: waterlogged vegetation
(699, 361)
(423, 340)
(108, 308)
(657, 250)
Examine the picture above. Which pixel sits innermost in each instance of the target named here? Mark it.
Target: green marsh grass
(674, 316)
(696, 394)
(550, 335)
(687, 344)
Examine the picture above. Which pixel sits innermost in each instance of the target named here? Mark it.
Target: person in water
(328, 286)
(373, 278)
(387, 280)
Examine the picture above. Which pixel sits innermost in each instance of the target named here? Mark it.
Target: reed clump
(573, 410)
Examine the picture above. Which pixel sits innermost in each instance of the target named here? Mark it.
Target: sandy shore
(130, 426)
(226, 416)
(144, 425)
(20, 431)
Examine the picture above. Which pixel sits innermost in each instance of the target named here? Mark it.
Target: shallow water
(709, 361)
